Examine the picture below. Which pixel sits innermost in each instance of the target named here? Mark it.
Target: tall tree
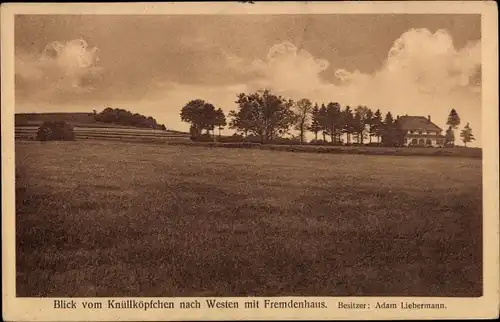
(369, 122)
(348, 123)
(388, 130)
(360, 122)
(323, 121)
(302, 110)
(453, 121)
(377, 125)
(331, 122)
(467, 135)
(263, 114)
(338, 123)
(315, 126)
(449, 138)
(357, 123)
(220, 120)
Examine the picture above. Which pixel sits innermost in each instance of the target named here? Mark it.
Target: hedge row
(403, 151)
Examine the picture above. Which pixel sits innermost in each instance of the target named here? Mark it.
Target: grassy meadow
(122, 219)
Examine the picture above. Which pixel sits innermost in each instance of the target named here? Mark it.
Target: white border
(486, 306)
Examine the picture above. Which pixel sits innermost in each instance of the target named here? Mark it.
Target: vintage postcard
(250, 161)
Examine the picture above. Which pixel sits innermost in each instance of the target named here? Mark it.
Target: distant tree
(315, 126)
(107, 115)
(331, 121)
(323, 121)
(370, 122)
(360, 122)
(348, 123)
(357, 126)
(467, 135)
(210, 118)
(302, 110)
(200, 114)
(449, 139)
(220, 120)
(388, 130)
(377, 125)
(453, 121)
(398, 134)
(124, 117)
(263, 114)
(337, 122)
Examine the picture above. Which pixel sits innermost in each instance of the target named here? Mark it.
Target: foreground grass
(108, 219)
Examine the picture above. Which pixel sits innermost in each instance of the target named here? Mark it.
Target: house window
(419, 132)
(421, 141)
(428, 142)
(414, 141)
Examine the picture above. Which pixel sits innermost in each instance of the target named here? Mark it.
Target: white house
(420, 131)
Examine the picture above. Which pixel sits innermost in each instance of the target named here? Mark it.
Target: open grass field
(119, 219)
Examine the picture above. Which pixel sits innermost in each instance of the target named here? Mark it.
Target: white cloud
(423, 74)
(60, 67)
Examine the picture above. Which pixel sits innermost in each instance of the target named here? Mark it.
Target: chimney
(429, 117)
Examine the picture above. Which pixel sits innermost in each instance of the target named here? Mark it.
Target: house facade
(420, 131)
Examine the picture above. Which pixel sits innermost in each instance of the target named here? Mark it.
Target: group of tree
(203, 117)
(333, 121)
(453, 122)
(270, 117)
(124, 117)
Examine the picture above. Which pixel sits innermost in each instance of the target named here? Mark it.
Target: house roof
(417, 123)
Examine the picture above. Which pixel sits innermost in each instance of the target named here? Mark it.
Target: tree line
(124, 117)
(268, 118)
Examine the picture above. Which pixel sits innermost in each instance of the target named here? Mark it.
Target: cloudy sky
(153, 65)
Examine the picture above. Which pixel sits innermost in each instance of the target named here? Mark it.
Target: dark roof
(417, 123)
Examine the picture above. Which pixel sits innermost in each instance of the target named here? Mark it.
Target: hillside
(80, 119)
(24, 119)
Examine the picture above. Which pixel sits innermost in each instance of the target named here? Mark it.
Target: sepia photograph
(231, 155)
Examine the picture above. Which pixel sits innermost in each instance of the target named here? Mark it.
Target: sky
(406, 64)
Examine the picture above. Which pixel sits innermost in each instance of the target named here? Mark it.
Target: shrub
(55, 131)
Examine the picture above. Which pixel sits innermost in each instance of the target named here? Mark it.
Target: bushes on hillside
(55, 131)
(124, 117)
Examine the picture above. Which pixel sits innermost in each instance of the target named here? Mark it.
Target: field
(119, 219)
